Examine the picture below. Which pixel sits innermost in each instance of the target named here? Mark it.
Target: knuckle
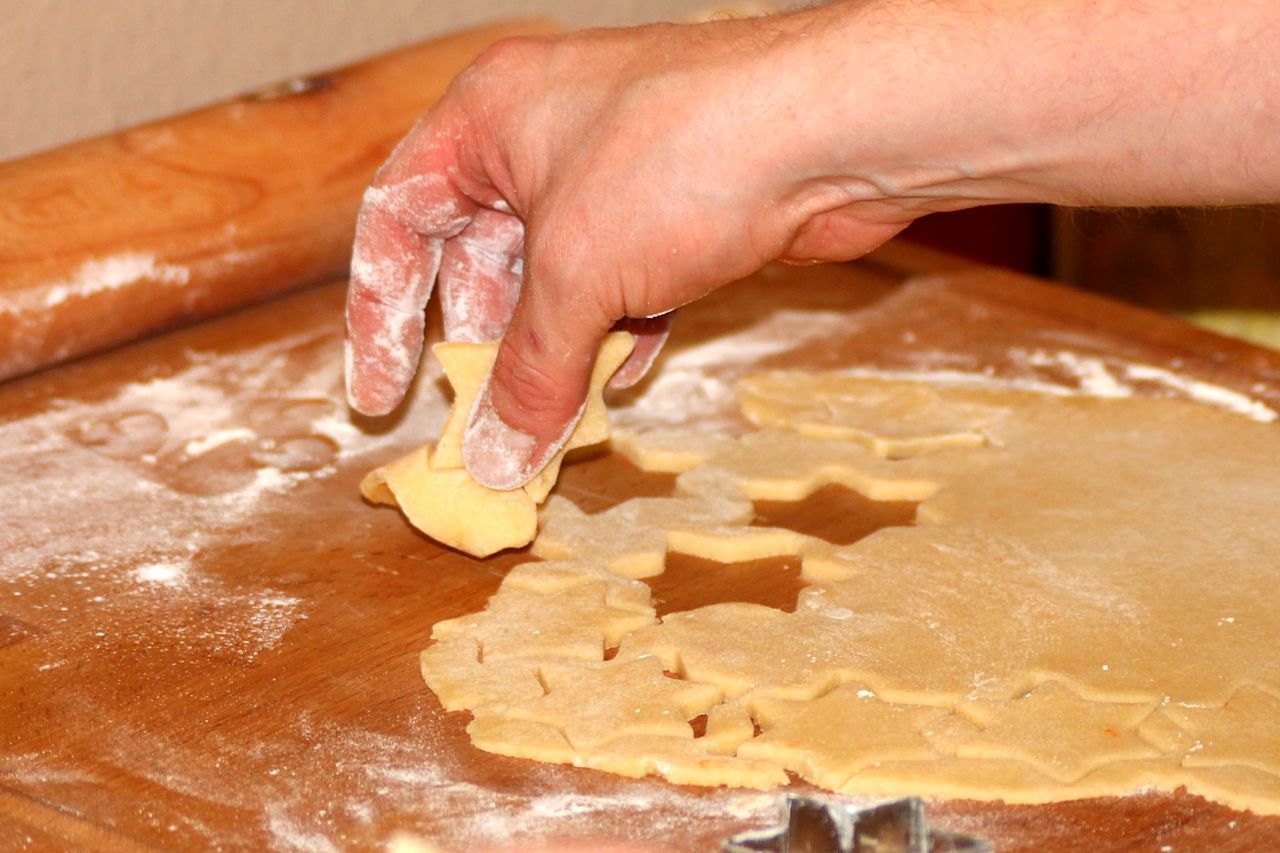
(498, 63)
(586, 280)
(535, 387)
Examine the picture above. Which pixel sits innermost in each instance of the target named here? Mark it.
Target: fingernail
(497, 455)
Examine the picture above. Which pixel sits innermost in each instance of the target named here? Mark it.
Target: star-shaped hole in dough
(1063, 735)
(594, 703)
(632, 539)
(772, 465)
(828, 739)
(1241, 732)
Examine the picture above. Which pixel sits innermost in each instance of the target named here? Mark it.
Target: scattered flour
(100, 274)
(288, 835)
(693, 386)
(144, 551)
(202, 445)
(1065, 373)
(191, 455)
(167, 573)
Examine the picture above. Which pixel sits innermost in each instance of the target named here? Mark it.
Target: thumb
(538, 386)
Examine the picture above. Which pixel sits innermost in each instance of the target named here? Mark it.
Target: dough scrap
(1085, 605)
(438, 496)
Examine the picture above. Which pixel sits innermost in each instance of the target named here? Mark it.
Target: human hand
(566, 184)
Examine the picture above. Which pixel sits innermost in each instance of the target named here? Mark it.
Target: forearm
(1078, 102)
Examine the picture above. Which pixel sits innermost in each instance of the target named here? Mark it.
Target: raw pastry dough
(436, 493)
(1085, 606)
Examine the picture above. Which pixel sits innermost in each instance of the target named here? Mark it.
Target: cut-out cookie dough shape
(552, 576)
(1065, 554)
(632, 538)
(683, 762)
(747, 649)
(893, 420)
(829, 739)
(1063, 735)
(438, 496)
(593, 703)
(454, 671)
(576, 622)
(774, 465)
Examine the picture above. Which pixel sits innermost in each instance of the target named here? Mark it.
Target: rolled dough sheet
(438, 496)
(1087, 605)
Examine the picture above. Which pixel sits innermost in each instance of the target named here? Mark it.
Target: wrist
(899, 111)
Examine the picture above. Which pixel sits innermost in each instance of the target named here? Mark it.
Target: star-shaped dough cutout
(453, 671)
(1063, 735)
(783, 654)
(577, 622)
(594, 703)
(450, 507)
(891, 419)
(683, 761)
(829, 739)
(466, 366)
(1241, 732)
(546, 577)
(439, 497)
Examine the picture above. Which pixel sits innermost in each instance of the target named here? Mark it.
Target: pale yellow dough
(436, 493)
(1086, 605)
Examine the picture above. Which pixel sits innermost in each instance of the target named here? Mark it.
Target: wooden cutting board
(207, 638)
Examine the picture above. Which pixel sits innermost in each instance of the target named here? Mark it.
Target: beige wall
(74, 68)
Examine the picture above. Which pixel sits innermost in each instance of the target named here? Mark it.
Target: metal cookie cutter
(810, 825)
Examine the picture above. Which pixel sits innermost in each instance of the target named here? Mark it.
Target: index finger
(407, 214)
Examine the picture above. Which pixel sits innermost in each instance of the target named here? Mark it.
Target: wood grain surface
(106, 239)
(206, 638)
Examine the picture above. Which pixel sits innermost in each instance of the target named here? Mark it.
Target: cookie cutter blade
(813, 825)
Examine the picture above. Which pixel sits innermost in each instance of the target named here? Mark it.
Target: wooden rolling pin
(105, 240)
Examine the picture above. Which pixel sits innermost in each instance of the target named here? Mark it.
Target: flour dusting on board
(416, 777)
(187, 468)
(188, 454)
(1071, 374)
(693, 386)
(1107, 377)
